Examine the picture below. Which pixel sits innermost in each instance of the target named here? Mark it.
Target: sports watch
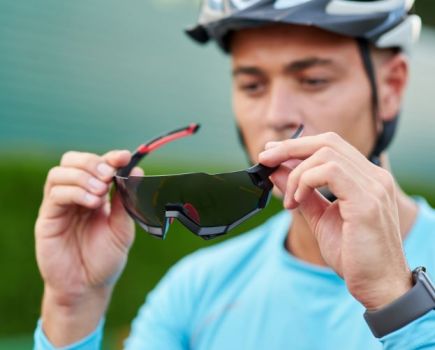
(415, 303)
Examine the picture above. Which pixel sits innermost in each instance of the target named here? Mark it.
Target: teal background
(97, 75)
(100, 74)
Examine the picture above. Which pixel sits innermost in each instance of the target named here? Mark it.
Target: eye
(314, 83)
(252, 89)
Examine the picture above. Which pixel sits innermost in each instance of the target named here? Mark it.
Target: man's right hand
(82, 242)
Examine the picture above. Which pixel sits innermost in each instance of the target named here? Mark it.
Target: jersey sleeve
(419, 334)
(91, 342)
(164, 321)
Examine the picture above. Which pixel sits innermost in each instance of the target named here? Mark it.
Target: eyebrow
(301, 65)
(292, 67)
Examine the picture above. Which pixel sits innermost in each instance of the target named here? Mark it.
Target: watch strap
(413, 304)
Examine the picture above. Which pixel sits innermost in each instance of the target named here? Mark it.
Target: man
(303, 279)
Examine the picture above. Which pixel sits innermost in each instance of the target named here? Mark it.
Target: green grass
(21, 286)
(21, 185)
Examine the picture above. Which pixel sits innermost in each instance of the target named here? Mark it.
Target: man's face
(286, 75)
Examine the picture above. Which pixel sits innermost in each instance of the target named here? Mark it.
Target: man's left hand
(359, 233)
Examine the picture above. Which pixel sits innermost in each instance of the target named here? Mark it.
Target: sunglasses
(209, 205)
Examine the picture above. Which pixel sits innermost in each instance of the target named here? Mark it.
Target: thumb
(312, 207)
(279, 178)
(120, 221)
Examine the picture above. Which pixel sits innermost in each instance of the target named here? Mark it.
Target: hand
(82, 239)
(359, 233)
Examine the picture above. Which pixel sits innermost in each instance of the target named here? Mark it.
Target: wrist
(410, 306)
(386, 292)
(67, 319)
(76, 298)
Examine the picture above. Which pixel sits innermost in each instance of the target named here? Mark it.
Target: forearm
(65, 321)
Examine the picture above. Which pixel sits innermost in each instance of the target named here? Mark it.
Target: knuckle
(89, 159)
(287, 147)
(386, 179)
(326, 152)
(67, 156)
(53, 193)
(111, 153)
(80, 177)
(332, 137)
(333, 168)
(379, 191)
(372, 206)
(52, 173)
(79, 159)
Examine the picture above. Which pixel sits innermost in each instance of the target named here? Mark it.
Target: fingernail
(105, 169)
(97, 184)
(90, 198)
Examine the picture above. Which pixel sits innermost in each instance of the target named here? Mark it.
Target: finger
(279, 178)
(330, 174)
(102, 167)
(285, 168)
(271, 144)
(323, 156)
(120, 221)
(304, 147)
(136, 171)
(117, 158)
(62, 198)
(75, 177)
(313, 208)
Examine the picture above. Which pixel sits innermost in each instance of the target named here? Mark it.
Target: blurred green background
(97, 75)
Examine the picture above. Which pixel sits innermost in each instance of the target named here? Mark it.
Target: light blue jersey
(250, 293)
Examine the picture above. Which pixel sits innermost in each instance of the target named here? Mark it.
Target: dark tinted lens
(208, 200)
(139, 196)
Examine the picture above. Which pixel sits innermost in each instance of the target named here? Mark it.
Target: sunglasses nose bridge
(186, 210)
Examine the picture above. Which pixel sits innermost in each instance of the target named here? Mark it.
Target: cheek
(248, 114)
(248, 111)
(350, 115)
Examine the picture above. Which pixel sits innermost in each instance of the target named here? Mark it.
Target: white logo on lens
(284, 4)
(242, 4)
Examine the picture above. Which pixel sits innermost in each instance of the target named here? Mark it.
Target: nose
(283, 110)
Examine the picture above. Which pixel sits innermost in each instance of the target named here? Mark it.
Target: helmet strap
(388, 127)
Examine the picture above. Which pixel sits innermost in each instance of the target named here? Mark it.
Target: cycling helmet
(381, 23)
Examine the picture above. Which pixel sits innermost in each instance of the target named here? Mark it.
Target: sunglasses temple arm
(135, 159)
(154, 144)
(262, 172)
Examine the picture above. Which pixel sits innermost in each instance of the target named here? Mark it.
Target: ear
(392, 79)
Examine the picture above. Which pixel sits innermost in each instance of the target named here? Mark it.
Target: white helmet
(384, 23)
